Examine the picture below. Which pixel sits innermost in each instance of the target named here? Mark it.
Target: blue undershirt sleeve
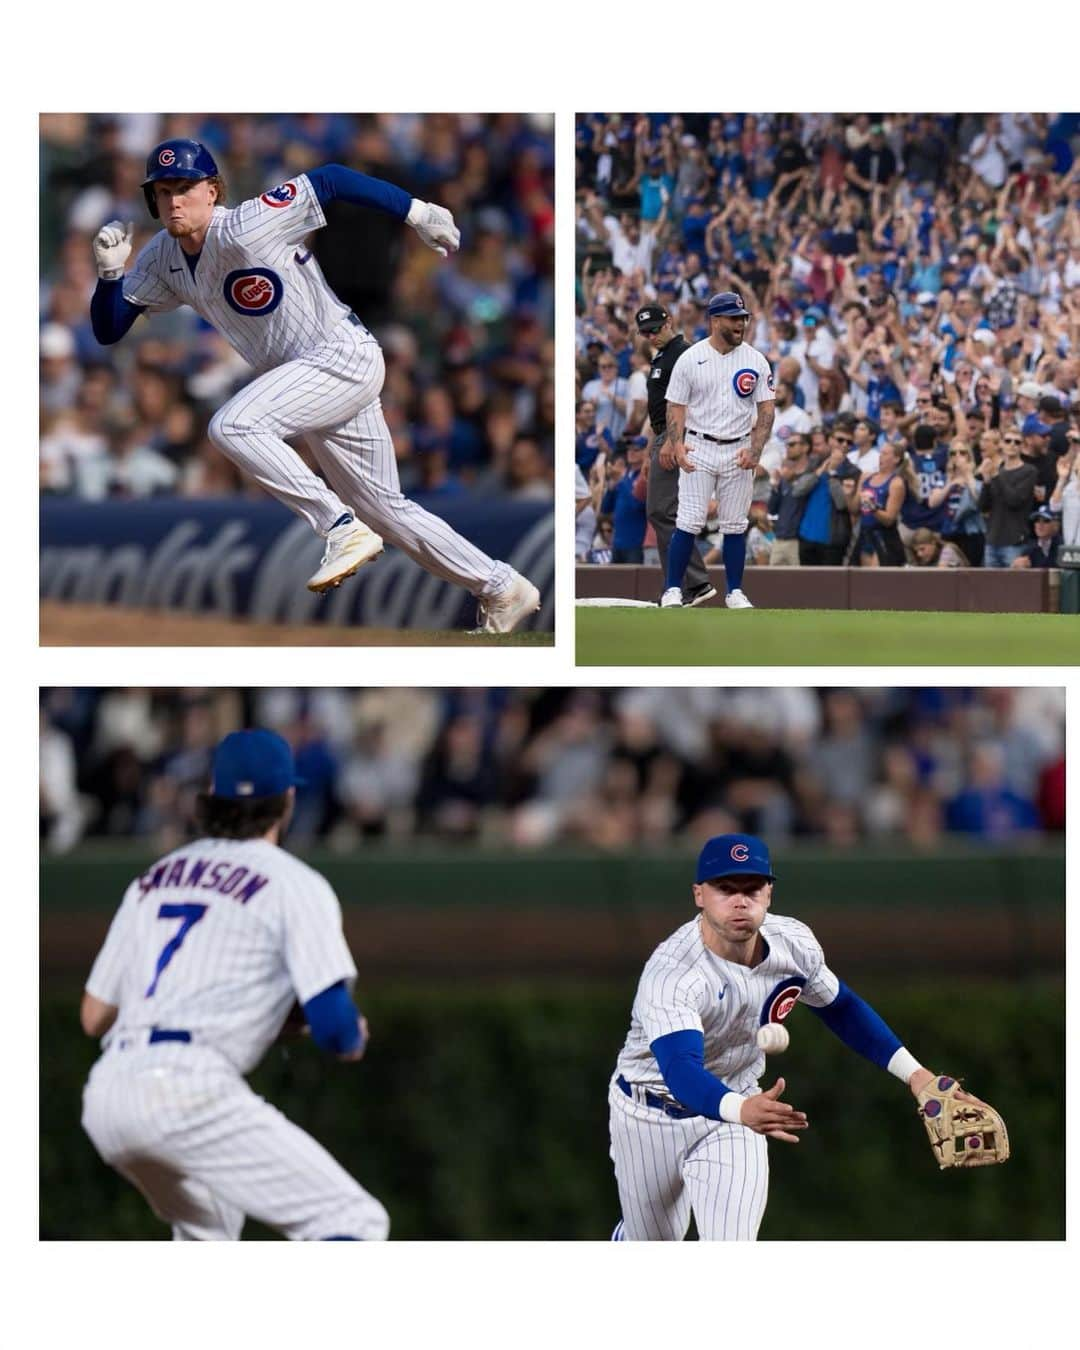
(111, 314)
(333, 182)
(859, 1027)
(333, 1019)
(681, 1057)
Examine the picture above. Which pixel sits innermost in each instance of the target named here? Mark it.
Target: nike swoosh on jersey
(701, 363)
(176, 269)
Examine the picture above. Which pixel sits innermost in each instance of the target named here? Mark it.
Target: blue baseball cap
(251, 764)
(1035, 426)
(728, 855)
(729, 304)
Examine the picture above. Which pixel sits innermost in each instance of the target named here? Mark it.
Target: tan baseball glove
(963, 1131)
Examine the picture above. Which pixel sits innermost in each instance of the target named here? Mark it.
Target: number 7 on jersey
(189, 916)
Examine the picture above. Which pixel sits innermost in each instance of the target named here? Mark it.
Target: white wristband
(731, 1107)
(416, 209)
(903, 1065)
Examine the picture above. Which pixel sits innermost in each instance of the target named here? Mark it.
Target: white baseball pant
(667, 1169)
(184, 1128)
(716, 474)
(330, 397)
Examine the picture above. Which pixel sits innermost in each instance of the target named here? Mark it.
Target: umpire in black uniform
(662, 501)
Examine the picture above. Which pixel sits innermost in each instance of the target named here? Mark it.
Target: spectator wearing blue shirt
(825, 528)
(959, 497)
(928, 461)
(987, 808)
(609, 393)
(587, 438)
(1044, 551)
(624, 500)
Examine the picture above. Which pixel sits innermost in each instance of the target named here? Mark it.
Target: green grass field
(822, 637)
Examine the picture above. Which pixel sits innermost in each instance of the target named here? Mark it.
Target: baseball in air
(773, 1038)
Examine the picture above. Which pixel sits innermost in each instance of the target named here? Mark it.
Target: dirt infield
(101, 626)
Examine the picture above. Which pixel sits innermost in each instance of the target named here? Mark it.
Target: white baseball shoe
(736, 600)
(348, 547)
(503, 613)
(671, 599)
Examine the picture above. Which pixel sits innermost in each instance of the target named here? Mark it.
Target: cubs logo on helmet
(739, 852)
(782, 999)
(255, 291)
(744, 382)
(283, 195)
(167, 156)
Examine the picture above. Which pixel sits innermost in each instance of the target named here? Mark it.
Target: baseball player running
(198, 974)
(319, 371)
(662, 494)
(716, 388)
(689, 1123)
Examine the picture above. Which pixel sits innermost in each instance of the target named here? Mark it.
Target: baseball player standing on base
(716, 388)
(200, 969)
(319, 371)
(654, 324)
(689, 1123)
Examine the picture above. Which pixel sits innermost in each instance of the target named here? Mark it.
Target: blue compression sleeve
(681, 1056)
(333, 182)
(111, 315)
(859, 1026)
(333, 1019)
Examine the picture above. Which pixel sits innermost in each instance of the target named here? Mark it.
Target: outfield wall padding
(962, 590)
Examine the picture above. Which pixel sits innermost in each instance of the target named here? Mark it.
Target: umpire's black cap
(729, 304)
(651, 319)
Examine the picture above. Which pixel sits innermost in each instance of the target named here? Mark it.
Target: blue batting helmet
(729, 855)
(176, 159)
(728, 304)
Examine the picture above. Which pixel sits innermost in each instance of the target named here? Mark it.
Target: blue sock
(734, 560)
(343, 520)
(678, 555)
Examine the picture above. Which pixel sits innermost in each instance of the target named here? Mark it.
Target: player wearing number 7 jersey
(319, 371)
(210, 950)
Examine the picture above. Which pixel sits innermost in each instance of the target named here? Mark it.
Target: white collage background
(418, 56)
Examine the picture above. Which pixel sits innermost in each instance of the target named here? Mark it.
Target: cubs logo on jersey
(283, 195)
(744, 382)
(782, 999)
(255, 291)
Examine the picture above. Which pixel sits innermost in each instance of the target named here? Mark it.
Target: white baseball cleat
(671, 599)
(348, 547)
(503, 613)
(736, 600)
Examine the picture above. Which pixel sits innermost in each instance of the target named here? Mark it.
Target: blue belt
(715, 439)
(651, 1099)
(160, 1034)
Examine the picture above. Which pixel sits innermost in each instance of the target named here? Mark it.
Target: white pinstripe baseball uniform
(667, 1167)
(720, 392)
(320, 374)
(203, 960)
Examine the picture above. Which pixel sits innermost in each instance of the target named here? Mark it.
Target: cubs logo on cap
(782, 999)
(283, 195)
(167, 156)
(255, 290)
(744, 382)
(727, 855)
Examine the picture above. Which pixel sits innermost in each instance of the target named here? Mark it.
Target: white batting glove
(112, 248)
(435, 226)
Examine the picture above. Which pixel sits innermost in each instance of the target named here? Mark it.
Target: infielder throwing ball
(198, 974)
(320, 371)
(689, 1123)
(716, 387)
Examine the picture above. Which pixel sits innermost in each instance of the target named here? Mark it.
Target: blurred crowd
(469, 393)
(604, 768)
(914, 281)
